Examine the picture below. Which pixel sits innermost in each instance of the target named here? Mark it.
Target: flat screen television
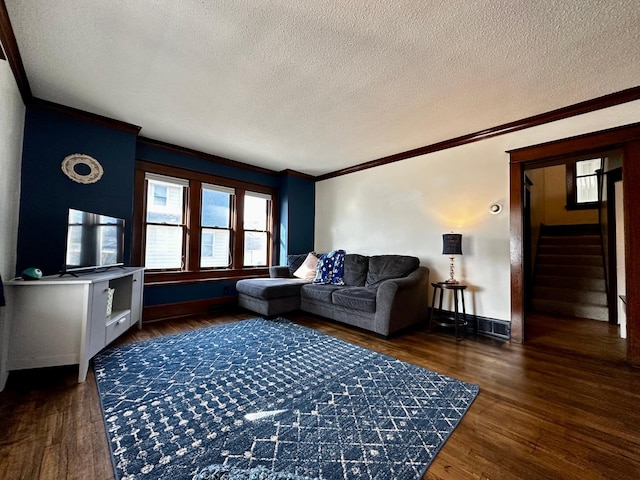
(93, 241)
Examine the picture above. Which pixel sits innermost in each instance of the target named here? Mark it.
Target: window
(215, 242)
(165, 222)
(256, 232)
(582, 183)
(587, 180)
(191, 222)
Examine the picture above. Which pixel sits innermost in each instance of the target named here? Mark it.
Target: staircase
(569, 272)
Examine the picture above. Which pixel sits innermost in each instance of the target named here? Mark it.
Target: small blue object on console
(32, 273)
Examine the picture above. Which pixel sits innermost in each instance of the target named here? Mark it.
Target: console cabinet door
(136, 297)
(46, 324)
(97, 317)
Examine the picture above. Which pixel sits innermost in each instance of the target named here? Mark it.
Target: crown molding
(203, 156)
(584, 144)
(10, 46)
(295, 173)
(587, 106)
(85, 116)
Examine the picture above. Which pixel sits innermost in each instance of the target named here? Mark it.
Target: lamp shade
(452, 244)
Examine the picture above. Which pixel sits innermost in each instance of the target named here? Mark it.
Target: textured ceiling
(323, 85)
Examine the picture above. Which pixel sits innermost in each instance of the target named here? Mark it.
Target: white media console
(66, 320)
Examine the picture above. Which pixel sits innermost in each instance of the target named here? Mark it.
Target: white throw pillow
(307, 271)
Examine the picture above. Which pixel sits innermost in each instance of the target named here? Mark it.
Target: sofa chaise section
(275, 295)
(270, 296)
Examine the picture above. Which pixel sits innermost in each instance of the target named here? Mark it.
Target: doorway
(626, 138)
(567, 229)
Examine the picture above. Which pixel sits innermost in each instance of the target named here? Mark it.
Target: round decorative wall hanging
(70, 162)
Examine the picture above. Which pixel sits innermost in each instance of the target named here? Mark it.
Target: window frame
(230, 226)
(183, 226)
(572, 191)
(268, 222)
(191, 271)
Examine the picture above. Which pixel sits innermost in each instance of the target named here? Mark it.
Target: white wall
(12, 113)
(406, 206)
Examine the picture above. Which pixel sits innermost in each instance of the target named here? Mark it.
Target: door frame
(626, 138)
(612, 177)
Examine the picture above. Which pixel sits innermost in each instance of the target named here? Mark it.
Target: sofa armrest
(401, 302)
(279, 271)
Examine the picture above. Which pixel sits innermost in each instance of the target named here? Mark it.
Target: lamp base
(451, 279)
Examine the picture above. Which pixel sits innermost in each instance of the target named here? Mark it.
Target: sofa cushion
(355, 269)
(318, 292)
(267, 288)
(357, 298)
(294, 261)
(307, 271)
(386, 267)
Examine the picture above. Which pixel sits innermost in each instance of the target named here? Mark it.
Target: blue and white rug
(263, 399)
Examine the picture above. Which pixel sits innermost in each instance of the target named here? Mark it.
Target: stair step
(570, 295)
(575, 229)
(569, 272)
(582, 310)
(586, 260)
(570, 240)
(570, 250)
(575, 271)
(592, 284)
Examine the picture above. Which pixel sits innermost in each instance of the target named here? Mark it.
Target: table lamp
(451, 245)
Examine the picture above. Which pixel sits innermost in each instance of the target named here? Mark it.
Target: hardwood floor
(563, 406)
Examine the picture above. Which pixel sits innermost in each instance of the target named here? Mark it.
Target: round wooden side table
(459, 322)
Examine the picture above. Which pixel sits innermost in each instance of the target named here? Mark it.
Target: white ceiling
(316, 86)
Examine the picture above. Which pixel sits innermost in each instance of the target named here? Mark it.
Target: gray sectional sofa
(381, 293)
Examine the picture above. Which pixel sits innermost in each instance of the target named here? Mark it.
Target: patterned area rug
(269, 399)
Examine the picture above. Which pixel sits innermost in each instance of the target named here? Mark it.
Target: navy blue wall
(164, 294)
(169, 157)
(47, 194)
(297, 208)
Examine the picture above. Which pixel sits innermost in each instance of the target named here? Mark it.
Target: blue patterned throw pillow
(338, 268)
(330, 268)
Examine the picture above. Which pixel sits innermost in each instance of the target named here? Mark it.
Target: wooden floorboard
(564, 405)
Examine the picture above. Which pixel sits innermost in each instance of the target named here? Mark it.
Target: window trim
(193, 214)
(183, 226)
(197, 220)
(267, 231)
